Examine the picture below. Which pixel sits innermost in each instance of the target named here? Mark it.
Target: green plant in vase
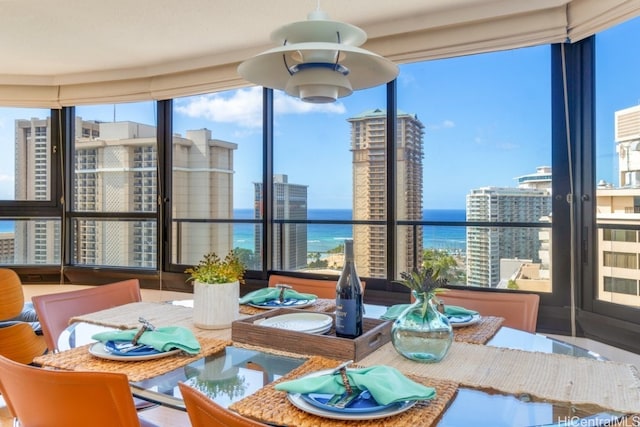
(425, 281)
(216, 290)
(214, 270)
(421, 332)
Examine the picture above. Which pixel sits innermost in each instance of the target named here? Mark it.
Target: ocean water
(321, 238)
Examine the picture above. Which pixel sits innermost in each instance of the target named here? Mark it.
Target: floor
(173, 418)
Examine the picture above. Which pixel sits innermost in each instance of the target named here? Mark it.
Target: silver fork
(346, 399)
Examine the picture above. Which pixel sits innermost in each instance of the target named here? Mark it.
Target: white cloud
(445, 124)
(406, 79)
(244, 107)
(507, 146)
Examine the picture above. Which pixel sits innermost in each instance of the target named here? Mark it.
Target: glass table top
(231, 375)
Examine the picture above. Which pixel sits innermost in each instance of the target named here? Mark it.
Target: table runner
(554, 377)
(79, 359)
(126, 316)
(158, 314)
(322, 305)
(480, 332)
(272, 406)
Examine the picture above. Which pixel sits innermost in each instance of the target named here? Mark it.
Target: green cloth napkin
(386, 385)
(394, 311)
(272, 293)
(162, 339)
(455, 310)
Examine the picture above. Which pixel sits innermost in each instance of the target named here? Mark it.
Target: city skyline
(491, 112)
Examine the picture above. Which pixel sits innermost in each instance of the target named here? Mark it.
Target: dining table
(492, 375)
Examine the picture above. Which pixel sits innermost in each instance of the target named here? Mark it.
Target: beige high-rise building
(618, 248)
(368, 141)
(38, 242)
(115, 171)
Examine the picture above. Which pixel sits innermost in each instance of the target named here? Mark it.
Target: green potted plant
(216, 289)
(421, 332)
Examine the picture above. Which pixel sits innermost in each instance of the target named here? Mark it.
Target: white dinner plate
(299, 322)
(474, 319)
(386, 411)
(297, 401)
(269, 305)
(98, 350)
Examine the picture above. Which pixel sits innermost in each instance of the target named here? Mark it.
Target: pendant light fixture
(318, 61)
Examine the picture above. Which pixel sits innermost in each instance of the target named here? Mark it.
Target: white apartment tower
(202, 189)
(289, 240)
(115, 171)
(38, 242)
(368, 142)
(486, 246)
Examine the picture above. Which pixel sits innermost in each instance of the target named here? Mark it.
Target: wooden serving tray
(376, 333)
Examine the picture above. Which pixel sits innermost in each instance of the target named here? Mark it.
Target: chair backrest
(55, 310)
(520, 310)
(57, 398)
(19, 343)
(12, 301)
(320, 287)
(204, 412)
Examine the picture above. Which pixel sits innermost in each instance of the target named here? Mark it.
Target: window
(484, 126)
(618, 163)
(113, 220)
(620, 286)
(620, 260)
(217, 163)
(619, 235)
(25, 164)
(330, 170)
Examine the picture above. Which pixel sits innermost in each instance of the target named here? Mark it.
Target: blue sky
(486, 118)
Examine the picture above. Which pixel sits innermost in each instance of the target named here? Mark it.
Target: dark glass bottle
(349, 303)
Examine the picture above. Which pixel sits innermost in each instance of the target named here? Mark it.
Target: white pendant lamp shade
(318, 61)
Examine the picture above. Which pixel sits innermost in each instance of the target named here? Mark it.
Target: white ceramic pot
(215, 306)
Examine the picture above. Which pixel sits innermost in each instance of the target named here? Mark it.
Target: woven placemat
(322, 305)
(272, 406)
(79, 359)
(480, 332)
(561, 378)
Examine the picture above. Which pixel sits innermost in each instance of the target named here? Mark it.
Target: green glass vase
(421, 333)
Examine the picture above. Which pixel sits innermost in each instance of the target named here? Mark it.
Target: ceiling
(52, 44)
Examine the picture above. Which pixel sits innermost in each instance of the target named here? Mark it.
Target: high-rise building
(486, 246)
(202, 189)
(115, 166)
(618, 248)
(38, 242)
(541, 179)
(7, 241)
(368, 142)
(290, 240)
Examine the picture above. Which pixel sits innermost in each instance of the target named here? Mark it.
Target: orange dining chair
(56, 398)
(204, 412)
(56, 309)
(323, 288)
(18, 340)
(519, 309)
